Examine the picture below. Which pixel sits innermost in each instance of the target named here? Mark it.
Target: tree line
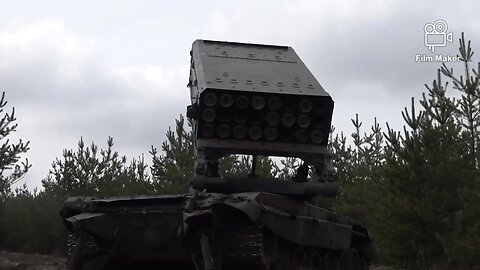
(417, 190)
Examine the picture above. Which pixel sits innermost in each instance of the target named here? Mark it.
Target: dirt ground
(22, 261)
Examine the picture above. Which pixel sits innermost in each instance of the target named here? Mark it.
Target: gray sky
(115, 68)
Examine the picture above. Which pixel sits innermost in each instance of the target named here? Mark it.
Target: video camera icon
(436, 35)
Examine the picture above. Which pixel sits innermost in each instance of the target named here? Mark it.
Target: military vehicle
(248, 99)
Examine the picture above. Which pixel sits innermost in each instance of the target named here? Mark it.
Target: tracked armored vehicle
(246, 99)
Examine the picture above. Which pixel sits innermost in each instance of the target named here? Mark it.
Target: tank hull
(256, 230)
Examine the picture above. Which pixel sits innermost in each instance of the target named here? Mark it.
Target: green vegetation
(417, 190)
(88, 171)
(11, 170)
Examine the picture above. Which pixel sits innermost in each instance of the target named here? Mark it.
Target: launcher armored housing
(246, 99)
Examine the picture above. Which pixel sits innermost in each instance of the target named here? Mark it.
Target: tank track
(79, 253)
(256, 248)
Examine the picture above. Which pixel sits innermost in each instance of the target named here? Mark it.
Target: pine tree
(90, 172)
(468, 109)
(462, 241)
(357, 170)
(418, 191)
(11, 170)
(288, 166)
(425, 170)
(241, 165)
(173, 168)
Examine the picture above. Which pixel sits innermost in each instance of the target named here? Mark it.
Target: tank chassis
(249, 99)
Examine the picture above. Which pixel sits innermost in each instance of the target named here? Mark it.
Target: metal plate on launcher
(262, 54)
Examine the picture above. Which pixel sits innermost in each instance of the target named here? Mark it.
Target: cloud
(73, 77)
(62, 90)
(46, 52)
(363, 53)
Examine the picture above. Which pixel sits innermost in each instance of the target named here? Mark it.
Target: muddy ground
(22, 261)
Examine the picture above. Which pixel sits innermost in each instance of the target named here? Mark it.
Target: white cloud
(24, 44)
(71, 75)
(62, 89)
(154, 82)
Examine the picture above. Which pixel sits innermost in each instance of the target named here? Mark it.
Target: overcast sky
(95, 69)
